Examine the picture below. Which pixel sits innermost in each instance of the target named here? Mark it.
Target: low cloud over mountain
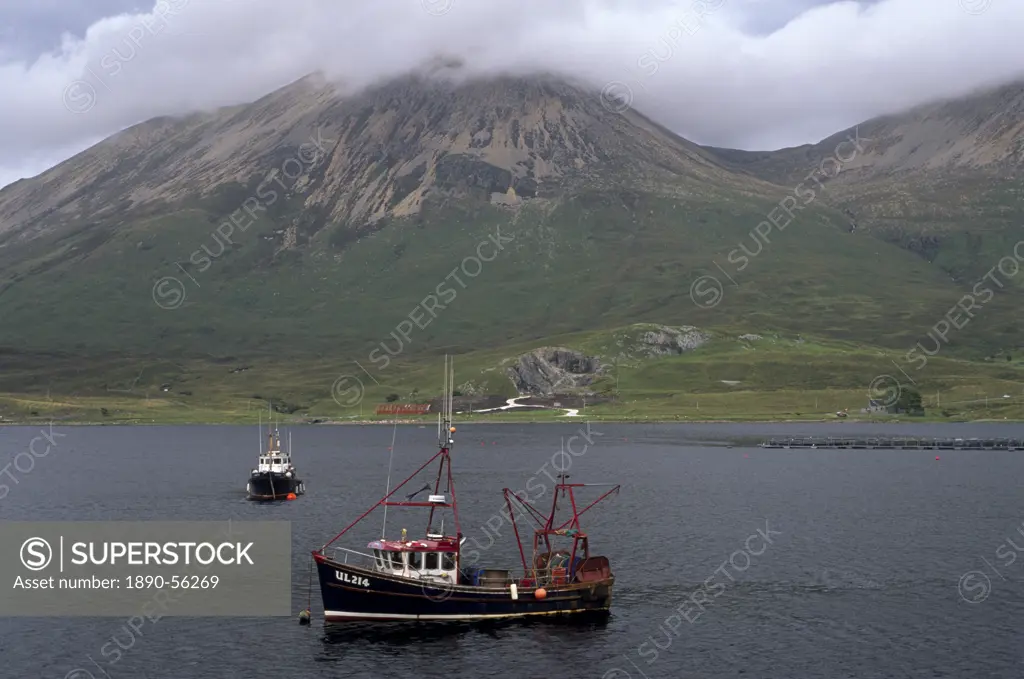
(734, 73)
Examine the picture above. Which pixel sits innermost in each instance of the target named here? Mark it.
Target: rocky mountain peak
(384, 151)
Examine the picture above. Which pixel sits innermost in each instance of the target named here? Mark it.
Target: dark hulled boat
(425, 579)
(275, 476)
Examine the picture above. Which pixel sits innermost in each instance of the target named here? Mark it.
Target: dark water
(863, 575)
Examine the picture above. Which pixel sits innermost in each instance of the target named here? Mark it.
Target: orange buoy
(452, 430)
(541, 593)
(291, 496)
(936, 457)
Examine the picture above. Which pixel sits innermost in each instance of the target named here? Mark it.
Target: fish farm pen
(895, 443)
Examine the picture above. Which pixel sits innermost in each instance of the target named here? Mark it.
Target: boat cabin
(274, 459)
(423, 559)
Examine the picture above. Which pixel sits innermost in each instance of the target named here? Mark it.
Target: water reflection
(338, 635)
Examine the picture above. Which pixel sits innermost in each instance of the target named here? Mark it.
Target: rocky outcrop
(666, 340)
(552, 370)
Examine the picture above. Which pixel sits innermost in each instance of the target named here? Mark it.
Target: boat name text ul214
(351, 579)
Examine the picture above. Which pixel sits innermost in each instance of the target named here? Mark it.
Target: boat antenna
(444, 400)
(270, 419)
(449, 397)
(442, 417)
(391, 457)
(443, 405)
(261, 431)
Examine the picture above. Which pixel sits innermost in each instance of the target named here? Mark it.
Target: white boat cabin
(274, 459)
(435, 560)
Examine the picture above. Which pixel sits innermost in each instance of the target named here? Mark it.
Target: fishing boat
(425, 579)
(274, 477)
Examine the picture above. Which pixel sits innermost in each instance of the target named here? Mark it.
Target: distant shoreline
(566, 420)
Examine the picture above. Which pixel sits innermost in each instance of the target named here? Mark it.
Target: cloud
(740, 73)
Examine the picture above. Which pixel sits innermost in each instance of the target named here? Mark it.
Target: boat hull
(352, 593)
(268, 486)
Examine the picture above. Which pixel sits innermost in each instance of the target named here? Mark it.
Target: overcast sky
(754, 74)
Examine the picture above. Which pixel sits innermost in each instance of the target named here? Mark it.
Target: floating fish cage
(895, 443)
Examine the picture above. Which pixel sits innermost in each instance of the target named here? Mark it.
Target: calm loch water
(729, 562)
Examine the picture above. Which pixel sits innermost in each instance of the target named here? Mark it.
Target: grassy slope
(961, 221)
(592, 262)
(586, 265)
(779, 378)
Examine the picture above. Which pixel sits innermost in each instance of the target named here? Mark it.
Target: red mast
(445, 441)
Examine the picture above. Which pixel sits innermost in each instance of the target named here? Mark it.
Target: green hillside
(766, 377)
(597, 260)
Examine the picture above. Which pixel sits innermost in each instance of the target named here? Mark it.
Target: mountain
(439, 213)
(981, 134)
(942, 180)
(380, 154)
